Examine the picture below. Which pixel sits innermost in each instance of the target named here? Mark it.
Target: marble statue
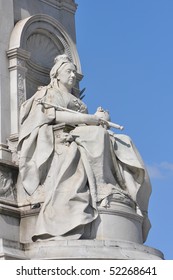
(72, 162)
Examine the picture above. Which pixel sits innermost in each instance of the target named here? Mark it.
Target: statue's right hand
(93, 120)
(96, 120)
(103, 123)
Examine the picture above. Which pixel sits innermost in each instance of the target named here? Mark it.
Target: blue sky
(126, 53)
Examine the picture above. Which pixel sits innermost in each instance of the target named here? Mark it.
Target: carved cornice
(116, 212)
(17, 58)
(8, 210)
(68, 5)
(18, 52)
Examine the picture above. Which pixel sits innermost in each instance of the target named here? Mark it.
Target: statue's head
(62, 65)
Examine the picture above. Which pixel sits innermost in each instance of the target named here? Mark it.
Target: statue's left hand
(104, 117)
(103, 114)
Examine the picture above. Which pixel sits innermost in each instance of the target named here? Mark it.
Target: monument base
(11, 250)
(118, 221)
(78, 249)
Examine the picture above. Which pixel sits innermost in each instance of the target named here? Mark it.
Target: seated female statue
(76, 169)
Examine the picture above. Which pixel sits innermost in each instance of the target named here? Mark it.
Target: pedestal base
(78, 249)
(11, 250)
(91, 249)
(118, 222)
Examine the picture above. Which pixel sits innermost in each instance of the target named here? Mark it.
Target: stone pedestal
(9, 212)
(78, 249)
(9, 222)
(11, 250)
(119, 223)
(116, 234)
(91, 249)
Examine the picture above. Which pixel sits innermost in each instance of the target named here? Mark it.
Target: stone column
(17, 60)
(6, 26)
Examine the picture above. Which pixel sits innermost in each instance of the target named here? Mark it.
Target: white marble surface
(91, 249)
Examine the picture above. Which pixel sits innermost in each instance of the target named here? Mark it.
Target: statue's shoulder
(41, 91)
(30, 104)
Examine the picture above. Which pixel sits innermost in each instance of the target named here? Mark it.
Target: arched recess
(34, 43)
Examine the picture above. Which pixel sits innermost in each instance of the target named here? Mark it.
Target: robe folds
(74, 174)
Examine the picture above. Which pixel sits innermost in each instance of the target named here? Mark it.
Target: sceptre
(60, 108)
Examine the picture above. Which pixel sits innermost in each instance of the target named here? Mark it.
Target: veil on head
(59, 61)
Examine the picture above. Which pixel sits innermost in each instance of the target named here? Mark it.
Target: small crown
(63, 58)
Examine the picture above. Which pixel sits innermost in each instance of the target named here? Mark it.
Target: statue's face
(67, 75)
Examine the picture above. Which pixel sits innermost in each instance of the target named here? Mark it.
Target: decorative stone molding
(91, 249)
(68, 5)
(5, 153)
(43, 25)
(21, 88)
(12, 145)
(6, 182)
(17, 66)
(8, 178)
(17, 58)
(78, 249)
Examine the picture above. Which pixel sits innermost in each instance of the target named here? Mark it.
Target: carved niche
(34, 43)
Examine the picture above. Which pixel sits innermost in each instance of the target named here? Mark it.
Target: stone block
(9, 222)
(91, 249)
(119, 223)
